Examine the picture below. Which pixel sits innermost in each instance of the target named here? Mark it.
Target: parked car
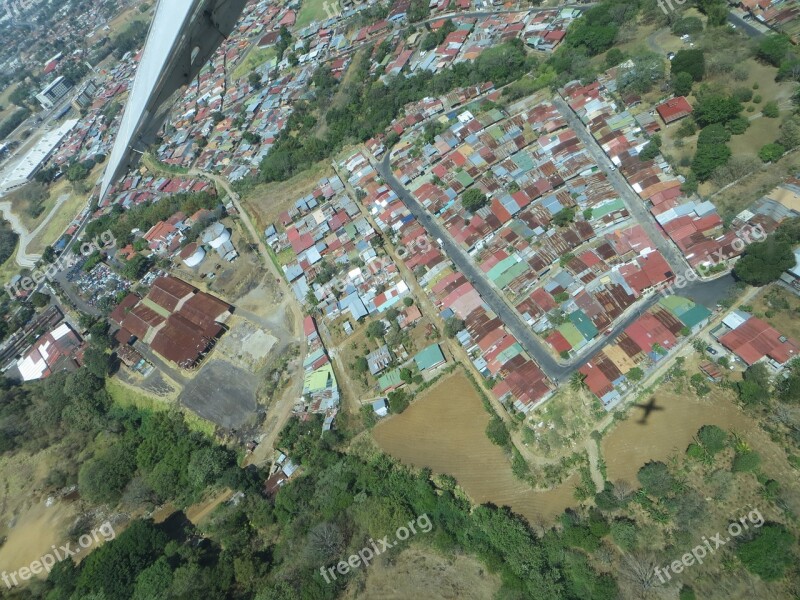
(711, 351)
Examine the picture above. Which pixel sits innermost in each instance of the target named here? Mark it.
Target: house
(755, 340)
(378, 360)
(56, 350)
(381, 407)
(429, 358)
(674, 109)
(711, 371)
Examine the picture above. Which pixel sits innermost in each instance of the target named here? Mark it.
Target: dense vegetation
(8, 241)
(11, 123)
(764, 262)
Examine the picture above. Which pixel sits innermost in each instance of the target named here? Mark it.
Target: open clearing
(314, 10)
(421, 572)
(254, 58)
(222, 393)
(266, 201)
(780, 308)
(444, 429)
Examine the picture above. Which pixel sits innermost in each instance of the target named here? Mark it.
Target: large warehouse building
(175, 319)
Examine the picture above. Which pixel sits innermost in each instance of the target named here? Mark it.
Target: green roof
(429, 357)
(319, 380)
(583, 324)
(502, 267)
(390, 379)
(464, 179)
(677, 305)
(509, 353)
(572, 335)
(607, 208)
(512, 273)
(695, 315)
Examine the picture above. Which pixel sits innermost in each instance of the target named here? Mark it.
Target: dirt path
(594, 454)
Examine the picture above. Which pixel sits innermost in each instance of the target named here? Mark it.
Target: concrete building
(85, 96)
(54, 92)
(29, 165)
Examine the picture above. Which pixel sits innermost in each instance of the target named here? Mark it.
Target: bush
(771, 152)
(714, 439)
(691, 61)
(497, 432)
(771, 110)
(743, 94)
(746, 462)
(769, 553)
(738, 125)
(687, 26)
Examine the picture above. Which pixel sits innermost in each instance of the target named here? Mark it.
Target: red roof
(754, 339)
(674, 109)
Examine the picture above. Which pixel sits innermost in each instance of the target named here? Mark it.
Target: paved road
(746, 27)
(631, 199)
(706, 293)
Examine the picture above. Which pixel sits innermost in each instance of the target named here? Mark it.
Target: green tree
(635, 374)
(691, 61)
(452, 326)
(564, 217)
(714, 107)
(771, 152)
(656, 479)
(764, 262)
(773, 48)
(713, 438)
(745, 462)
(497, 432)
(771, 110)
(682, 83)
(473, 199)
(103, 478)
(97, 362)
(769, 553)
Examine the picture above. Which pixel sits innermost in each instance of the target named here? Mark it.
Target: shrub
(743, 94)
(745, 462)
(771, 152)
(771, 110)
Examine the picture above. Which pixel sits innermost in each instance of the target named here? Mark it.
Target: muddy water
(668, 431)
(444, 429)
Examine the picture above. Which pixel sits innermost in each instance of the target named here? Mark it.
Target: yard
(254, 58)
(780, 308)
(315, 10)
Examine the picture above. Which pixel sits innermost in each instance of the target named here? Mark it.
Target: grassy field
(313, 10)
(126, 17)
(255, 57)
(8, 108)
(124, 395)
(266, 201)
(780, 308)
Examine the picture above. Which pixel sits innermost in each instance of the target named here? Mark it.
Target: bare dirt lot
(444, 429)
(223, 393)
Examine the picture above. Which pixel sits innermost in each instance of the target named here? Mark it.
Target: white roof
(28, 164)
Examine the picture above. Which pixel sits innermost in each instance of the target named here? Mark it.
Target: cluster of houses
(641, 346)
(139, 188)
(776, 14)
(331, 258)
(693, 225)
(494, 351)
(751, 340)
(568, 282)
(320, 391)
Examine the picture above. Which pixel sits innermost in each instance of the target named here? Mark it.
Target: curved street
(707, 293)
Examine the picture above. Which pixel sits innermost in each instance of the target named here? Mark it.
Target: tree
(398, 401)
(452, 326)
(713, 438)
(691, 61)
(77, 172)
(635, 374)
(764, 262)
(375, 329)
(773, 48)
(746, 462)
(473, 199)
(769, 553)
(614, 57)
(714, 107)
(682, 83)
(656, 479)
(564, 217)
(577, 381)
(708, 158)
(39, 300)
(687, 26)
(103, 478)
(790, 132)
(497, 432)
(771, 110)
(97, 362)
(646, 68)
(771, 152)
